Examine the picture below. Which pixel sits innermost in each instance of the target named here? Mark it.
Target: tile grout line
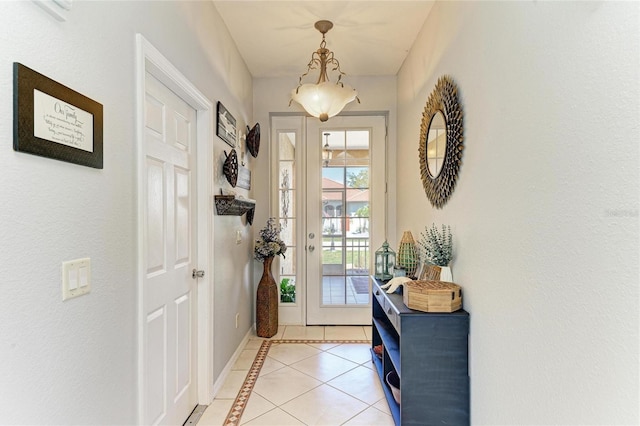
(239, 404)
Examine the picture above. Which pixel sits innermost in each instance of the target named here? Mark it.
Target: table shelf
(429, 352)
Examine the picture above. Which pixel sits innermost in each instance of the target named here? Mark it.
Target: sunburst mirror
(441, 142)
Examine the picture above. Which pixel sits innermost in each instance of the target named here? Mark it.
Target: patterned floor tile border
(239, 404)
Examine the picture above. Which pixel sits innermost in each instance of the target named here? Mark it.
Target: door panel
(168, 290)
(345, 196)
(155, 360)
(183, 340)
(183, 216)
(155, 217)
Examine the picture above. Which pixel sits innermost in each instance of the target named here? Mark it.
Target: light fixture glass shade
(323, 100)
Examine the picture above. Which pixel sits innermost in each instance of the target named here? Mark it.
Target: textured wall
(74, 362)
(545, 213)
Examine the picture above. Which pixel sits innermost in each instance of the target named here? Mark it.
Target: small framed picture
(226, 129)
(54, 121)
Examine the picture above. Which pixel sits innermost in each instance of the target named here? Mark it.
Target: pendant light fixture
(327, 153)
(323, 99)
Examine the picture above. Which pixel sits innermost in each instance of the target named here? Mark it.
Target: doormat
(239, 404)
(360, 284)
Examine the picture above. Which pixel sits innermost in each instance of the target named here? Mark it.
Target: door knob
(195, 274)
(311, 248)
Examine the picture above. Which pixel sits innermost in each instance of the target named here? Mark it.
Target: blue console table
(429, 352)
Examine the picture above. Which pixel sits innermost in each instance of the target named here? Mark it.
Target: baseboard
(219, 382)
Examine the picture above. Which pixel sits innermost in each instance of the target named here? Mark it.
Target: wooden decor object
(230, 167)
(54, 121)
(430, 273)
(432, 296)
(226, 128)
(267, 303)
(407, 256)
(443, 100)
(253, 140)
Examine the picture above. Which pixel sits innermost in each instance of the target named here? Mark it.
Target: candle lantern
(385, 259)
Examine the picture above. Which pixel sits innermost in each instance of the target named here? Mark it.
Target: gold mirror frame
(444, 99)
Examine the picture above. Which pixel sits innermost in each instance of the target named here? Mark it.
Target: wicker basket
(432, 296)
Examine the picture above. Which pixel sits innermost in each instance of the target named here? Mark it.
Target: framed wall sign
(52, 120)
(226, 129)
(244, 178)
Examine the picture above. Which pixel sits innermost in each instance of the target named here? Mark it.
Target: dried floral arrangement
(436, 247)
(270, 244)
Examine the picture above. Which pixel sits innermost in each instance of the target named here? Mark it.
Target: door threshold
(194, 418)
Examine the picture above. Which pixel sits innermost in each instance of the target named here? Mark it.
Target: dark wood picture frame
(67, 137)
(226, 126)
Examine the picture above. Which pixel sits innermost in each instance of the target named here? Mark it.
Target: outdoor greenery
(287, 290)
(358, 180)
(357, 258)
(436, 247)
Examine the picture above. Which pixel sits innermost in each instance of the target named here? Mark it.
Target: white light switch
(83, 277)
(73, 278)
(238, 236)
(76, 278)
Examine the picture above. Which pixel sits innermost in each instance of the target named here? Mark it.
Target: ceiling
(277, 38)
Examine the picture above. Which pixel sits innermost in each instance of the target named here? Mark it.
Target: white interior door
(345, 216)
(170, 238)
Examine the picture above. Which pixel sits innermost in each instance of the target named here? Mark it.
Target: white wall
(545, 212)
(74, 362)
(271, 96)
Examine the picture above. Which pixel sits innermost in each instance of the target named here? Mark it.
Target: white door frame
(149, 59)
(296, 313)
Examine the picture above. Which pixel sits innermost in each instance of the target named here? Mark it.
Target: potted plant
(436, 248)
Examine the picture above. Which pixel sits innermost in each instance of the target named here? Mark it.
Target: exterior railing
(352, 257)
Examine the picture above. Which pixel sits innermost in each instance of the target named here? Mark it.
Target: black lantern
(385, 259)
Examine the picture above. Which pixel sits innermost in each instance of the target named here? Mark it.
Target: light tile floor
(307, 384)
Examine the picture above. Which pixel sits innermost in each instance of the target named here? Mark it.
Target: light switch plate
(76, 278)
(238, 236)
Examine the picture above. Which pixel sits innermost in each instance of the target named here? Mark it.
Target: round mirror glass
(436, 144)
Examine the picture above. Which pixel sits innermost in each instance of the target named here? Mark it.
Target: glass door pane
(287, 192)
(340, 163)
(345, 197)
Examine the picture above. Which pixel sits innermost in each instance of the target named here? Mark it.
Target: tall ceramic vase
(267, 303)
(408, 254)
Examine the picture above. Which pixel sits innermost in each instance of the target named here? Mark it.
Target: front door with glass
(345, 184)
(329, 191)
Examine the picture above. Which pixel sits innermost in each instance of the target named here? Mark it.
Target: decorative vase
(267, 302)
(445, 274)
(408, 254)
